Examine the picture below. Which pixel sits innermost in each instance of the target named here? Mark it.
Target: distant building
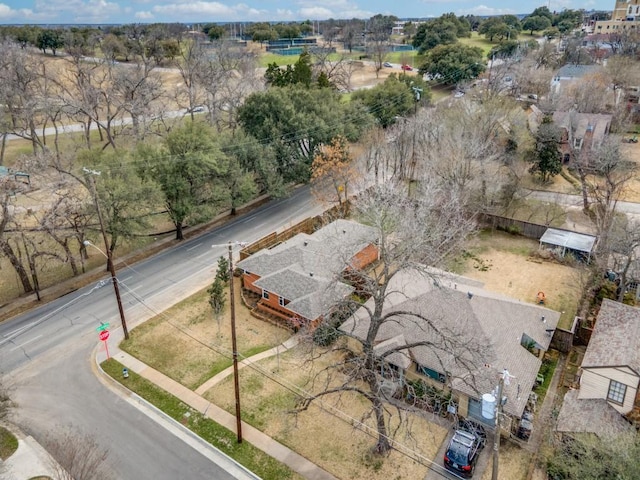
(625, 17)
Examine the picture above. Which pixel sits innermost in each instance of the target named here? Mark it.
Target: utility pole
(496, 438)
(234, 345)
(110, 264)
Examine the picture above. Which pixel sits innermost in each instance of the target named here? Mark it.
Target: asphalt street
(45, 353)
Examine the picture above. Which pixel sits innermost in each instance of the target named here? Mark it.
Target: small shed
(566, 241)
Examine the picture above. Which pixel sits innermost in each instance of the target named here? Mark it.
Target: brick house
(297, 280)
(581, 132)
(487, 332)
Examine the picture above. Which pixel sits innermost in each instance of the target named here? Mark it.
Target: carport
(566, 241)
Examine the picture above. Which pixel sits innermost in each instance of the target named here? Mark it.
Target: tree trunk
(382, 445)
(3, 147)
(179, 233)
(17, 265)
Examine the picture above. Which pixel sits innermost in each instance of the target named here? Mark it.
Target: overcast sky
(188, 11)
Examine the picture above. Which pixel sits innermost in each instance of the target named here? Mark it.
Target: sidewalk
(250, 434)
(28, 461)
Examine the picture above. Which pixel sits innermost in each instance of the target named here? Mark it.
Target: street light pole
(108, 254)
(234, 345)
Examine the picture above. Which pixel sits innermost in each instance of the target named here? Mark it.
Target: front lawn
(246, 454)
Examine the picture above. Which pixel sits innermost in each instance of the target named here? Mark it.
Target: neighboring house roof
(590, 415)
(304, 268)
(482, 332)
(576, 71)
(615, 340)
(584, 124)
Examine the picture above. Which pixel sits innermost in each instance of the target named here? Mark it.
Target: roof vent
(344, 231)
(469, 295)
(306, 243)
(311, 274)
(543, 319)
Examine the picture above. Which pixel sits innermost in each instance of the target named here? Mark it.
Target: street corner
(30, 460)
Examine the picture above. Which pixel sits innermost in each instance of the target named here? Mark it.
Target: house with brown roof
(581, 133)
(481, 333)
(298, 280)
(611, 364)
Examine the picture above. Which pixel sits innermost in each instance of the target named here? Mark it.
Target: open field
(478, 41)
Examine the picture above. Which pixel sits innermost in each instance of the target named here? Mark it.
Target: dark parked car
(462, 453)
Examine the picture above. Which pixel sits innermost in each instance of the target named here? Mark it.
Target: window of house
(617, 392)
(281, 301)
(427, 372)
(265, 294)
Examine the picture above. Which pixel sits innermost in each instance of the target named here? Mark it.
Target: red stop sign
(103, 335)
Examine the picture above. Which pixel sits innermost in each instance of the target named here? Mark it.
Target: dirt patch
(269, 392)
(504, 264)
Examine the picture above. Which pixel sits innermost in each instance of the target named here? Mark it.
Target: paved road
(576, 201)
(46, 351)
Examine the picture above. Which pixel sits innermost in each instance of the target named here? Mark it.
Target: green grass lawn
(8, 443)
(478, 41)
(246, 454)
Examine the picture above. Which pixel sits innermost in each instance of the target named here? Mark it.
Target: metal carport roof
(566, 239)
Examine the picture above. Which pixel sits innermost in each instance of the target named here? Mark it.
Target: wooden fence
(308, 226)
(511, 225)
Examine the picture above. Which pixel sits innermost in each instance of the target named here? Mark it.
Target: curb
(173, 426)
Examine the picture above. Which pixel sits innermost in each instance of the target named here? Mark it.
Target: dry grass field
(325, 434)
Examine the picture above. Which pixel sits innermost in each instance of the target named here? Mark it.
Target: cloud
(7, 13)
(484, 10)
(199, 9)
(82, 11)
(145, 15)
(316, 13)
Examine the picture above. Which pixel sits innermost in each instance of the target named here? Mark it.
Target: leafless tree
(192, 64)
(609, 173)
(623, 72)
(414, 230)
(21, 93)
(77, 456)
(8, 188)
(584, 95)
(227, 76)
(624, 243)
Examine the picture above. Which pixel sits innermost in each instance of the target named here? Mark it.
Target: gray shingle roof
(482, 332)
(590, 415)
(576, 71)
(303, 269)
(615, 340)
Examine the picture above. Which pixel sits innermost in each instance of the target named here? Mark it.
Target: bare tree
(20, 93)
(77, 456)
(414, 232)
(624, 243)
(623, 72)
(610, 174)
(8, 189)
